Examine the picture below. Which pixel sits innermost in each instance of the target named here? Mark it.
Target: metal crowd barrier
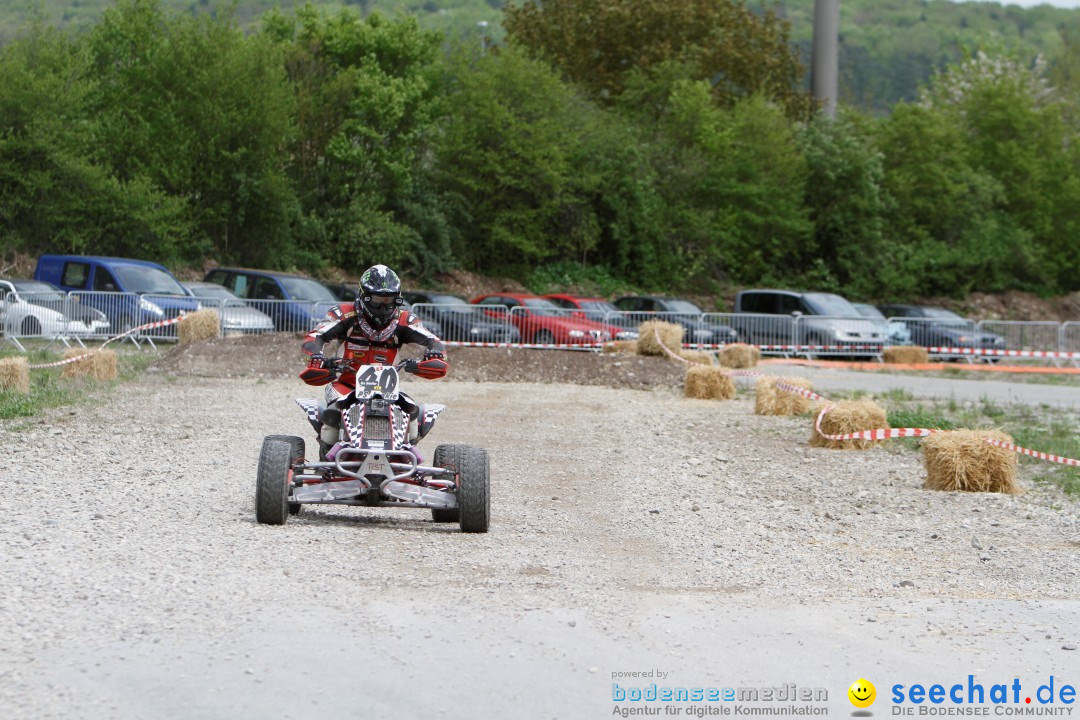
(1070, 337)
(1017, 335)
(468, 323)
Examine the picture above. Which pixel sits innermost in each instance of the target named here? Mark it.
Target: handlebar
(338, 365)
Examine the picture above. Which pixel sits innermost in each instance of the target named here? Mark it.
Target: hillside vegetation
(672, 148)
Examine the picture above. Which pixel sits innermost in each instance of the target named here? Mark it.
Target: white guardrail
(76, 317)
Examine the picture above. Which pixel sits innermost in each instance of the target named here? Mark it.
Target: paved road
(1001, 392)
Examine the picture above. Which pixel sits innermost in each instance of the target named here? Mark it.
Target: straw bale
(98, 364)
(698, 357)
(739, 356)
(670, 334)
(963, 460)
(199, 326)
(847, 417)
(15, 374)
(769, 400)
(905, 355)
(708, 383)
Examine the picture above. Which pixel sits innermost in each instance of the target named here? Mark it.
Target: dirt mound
(278, 355)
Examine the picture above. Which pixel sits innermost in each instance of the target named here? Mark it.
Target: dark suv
(640, 308)
(784, 317)
(938, 327)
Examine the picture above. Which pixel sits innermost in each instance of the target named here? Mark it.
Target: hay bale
(768, 400)
(739, 356)
(847, 417)
(15, 374)
(670, 334)
(963, 460)
(199, 326)
(708, 383)
(621, 346)
(99, 364)
(698, 357)
(905, 355)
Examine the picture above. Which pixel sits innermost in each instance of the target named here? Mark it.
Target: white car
(29, 308)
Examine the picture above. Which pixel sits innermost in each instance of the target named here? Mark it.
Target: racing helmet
(379, 295)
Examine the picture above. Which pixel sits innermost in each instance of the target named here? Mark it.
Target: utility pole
(825, 64)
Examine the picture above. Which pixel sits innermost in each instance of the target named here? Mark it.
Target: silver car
(29, 308)
(236, 315)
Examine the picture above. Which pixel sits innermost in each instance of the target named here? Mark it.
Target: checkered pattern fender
(428, 413)
(354, 425)
(311, 409)
(399, 421)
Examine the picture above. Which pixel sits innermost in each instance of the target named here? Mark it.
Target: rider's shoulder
(343, 311)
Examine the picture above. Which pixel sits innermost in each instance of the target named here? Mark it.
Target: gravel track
(629, 528)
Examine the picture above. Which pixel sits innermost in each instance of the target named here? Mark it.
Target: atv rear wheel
(474, 486)
(272, 483)
(297, 449)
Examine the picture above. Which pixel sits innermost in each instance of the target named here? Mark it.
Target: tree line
(668, 148)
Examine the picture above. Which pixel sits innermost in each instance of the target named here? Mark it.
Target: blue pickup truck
(129, 292)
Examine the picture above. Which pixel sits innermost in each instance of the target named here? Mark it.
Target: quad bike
(375, 462)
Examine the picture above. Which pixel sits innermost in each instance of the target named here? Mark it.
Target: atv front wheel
(296, 447)
(272, 483)
(474, 486)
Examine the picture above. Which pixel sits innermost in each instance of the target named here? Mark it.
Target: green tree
(202, 112)
(730, 182)
(596, 43)
(847, 203)
(367, 103)
(505, 156)
(53, 195)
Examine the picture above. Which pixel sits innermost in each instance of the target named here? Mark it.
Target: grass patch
(1047, 429)
(919, 417)
(49, 390)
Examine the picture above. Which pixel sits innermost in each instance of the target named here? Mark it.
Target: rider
(371, 329)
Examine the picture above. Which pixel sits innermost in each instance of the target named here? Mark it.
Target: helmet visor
(383, 300)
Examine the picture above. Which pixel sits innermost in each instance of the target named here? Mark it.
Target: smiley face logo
(862, 693)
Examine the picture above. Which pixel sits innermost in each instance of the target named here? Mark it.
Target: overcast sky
(1033, 3)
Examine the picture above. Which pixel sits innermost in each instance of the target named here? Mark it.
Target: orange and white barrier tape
(140, 328)
(891, 433)
(880, 433)
(988, 352)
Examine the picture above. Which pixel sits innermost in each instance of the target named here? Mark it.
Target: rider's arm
(335, 326)
(413, 331)
(434, 364)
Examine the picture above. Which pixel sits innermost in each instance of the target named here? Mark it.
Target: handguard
(432, 369)
(316, 373)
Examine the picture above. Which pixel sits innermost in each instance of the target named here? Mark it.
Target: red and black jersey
(365, 345)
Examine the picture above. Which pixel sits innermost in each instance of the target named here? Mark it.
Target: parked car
(29, 308)
(598, 310)
(236, 316)
(638, 309)
(938, 327)
(783, 317)
(541, 321)
(898, 333)
(458, 320)
(345, 292)
(129, 292)
(295, 303)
